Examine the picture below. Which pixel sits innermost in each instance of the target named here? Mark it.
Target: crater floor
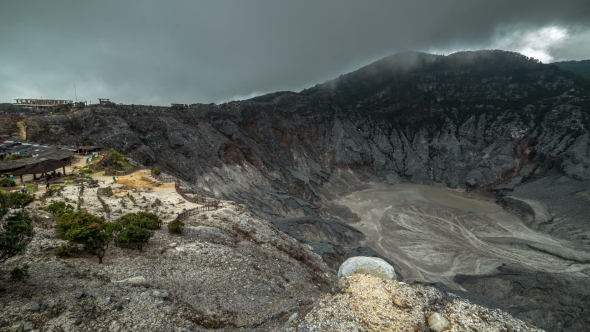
(434, 233)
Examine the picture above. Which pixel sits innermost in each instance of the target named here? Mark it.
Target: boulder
(471, 183)
(28, 326)
(104, 191)
(437, 323)
(80, 294)
(366, 265)
(36, 306)
(161, 293)
(135, 281)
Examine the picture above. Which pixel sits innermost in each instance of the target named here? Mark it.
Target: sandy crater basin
(434, 233)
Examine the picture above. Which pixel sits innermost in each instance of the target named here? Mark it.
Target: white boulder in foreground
(437, 323)
(366, 265)
(135, 281)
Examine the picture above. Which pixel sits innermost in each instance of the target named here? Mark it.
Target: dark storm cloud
(157, 52)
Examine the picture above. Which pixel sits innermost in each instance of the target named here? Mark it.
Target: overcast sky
(159, 52)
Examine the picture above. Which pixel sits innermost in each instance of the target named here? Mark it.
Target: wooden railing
(162, 178)
(197, 210)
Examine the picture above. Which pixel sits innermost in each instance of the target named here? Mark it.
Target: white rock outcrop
(366, 265)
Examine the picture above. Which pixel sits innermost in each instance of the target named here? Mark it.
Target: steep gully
(316, 163)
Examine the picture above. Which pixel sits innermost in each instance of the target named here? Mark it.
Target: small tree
(89, 230)
(175, 226)
(16, 228)
(146, 220)
(157, 170)
(133, 237)
(6, 182)
(20, 273)
(57, 208)
(117, 156)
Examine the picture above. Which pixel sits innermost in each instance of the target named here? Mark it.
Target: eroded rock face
(549, 300)
(484, 121)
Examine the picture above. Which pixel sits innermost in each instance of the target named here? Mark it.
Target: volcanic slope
(489, 121)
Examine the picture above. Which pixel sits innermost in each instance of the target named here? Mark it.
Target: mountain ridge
(492, 122)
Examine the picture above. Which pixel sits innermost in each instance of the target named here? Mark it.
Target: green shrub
(57, 208)
(117, 156)
(15, 200)
(6, 182)
(157, 170)
(20, 273)
(133, 237)
(16, 232)
(70, 220)
(146, 220)
(93, 232)
(16, 227)
(86, 171)
(62, 251)
(175, 226)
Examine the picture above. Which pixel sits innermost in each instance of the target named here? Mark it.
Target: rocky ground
(497, 124)
(228, 270)
(368, 303)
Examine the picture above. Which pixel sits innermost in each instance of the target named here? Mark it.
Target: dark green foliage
(157, 170)
(20, 273)
(16, 229)
(16, 200)
(73, 219)
(146, 220)
(175, 227)
(62, 251)
(17, 232)
(9, 108)
(6, 182)
(116, 155)
(83, 228)
(57, 208)
(133, 237)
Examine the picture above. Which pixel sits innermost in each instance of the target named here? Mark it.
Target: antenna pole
(75, 92)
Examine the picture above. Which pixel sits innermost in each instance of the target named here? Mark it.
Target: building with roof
(33, 158)
(40, 103)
